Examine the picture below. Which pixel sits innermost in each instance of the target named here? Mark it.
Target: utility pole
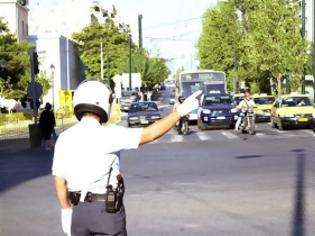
(102, 62)
(140, 30)
(130, 83)
(303, 36)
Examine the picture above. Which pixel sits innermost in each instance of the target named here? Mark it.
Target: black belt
(90, 197)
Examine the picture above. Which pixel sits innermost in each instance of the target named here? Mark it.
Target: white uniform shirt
(85, 153)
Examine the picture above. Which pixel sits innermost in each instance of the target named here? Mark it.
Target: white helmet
(92, 96)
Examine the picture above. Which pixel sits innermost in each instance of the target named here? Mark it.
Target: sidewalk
(20, 129)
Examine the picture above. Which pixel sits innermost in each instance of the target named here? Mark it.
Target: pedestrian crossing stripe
(173, 137)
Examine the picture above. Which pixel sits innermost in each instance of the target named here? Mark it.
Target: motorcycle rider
(243, 107)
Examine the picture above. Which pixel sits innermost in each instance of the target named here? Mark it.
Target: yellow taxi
(263, 106)
(292, 111)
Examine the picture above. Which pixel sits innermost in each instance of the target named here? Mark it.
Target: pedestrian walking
(47, 125)
(87, 178)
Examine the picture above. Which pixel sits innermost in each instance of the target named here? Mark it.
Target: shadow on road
(298, 217)
(19, 163)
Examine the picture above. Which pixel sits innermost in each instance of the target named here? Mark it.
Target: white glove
(191, 103)
(66, 217)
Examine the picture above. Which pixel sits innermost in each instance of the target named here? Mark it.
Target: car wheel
(273, 124)
(201, 126)
(280, 125)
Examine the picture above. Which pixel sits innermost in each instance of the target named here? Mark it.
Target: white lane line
(176, 139)
(260, 134)
(309, 132)
(203, 137)
(229, 135)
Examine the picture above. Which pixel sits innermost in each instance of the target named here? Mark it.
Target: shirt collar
(90, 121)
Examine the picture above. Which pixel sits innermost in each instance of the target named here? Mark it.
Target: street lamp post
(52, 70)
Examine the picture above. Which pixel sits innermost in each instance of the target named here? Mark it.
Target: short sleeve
(58, 162)
(127, 138)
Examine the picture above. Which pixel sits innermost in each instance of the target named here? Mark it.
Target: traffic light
(35, 63)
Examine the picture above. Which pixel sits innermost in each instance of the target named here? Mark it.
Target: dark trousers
(91, 219)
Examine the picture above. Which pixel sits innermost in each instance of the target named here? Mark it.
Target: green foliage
(254, 40)
(115, 45)
(46, 82)
(14, 64)
(116, 42)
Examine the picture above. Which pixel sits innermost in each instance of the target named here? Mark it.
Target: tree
(115, 39)
(268, 42)
(153, 70)
(14, 64)
(220, 41)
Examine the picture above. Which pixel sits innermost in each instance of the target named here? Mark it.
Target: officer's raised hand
(160, 127)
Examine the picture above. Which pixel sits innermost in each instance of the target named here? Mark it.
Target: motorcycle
(248, 122)
(183, 126)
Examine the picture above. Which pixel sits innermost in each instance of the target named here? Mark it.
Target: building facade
(15, 14)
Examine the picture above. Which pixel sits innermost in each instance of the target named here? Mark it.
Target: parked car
(216, 110)
(292, 111)
(128, 97)
(263, 106)
(143, 114)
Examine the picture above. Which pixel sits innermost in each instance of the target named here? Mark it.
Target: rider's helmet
(94, 97)
(181, 99)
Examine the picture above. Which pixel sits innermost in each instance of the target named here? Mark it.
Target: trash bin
(35, 135)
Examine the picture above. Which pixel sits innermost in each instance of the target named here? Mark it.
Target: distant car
(143, 114)
(127, 98)
(263, 106)
(216, 110)
(292, 111)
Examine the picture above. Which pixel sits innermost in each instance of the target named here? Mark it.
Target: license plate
(144, 122)
(221, 117)
(303, 120)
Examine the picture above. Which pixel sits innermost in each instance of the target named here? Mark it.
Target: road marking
(309, 132)
(176, 139)
(203, 137)
(229, 135)
(260, 134)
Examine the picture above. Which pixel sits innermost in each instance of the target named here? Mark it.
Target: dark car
(217, 110)
(128, 97)
(143, 114)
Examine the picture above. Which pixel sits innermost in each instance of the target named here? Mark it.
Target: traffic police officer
(86, 173)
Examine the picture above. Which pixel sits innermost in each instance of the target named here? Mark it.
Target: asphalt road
(214, 182)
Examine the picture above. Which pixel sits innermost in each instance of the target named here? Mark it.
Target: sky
(170, 28)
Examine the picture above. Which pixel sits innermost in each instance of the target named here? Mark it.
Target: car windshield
(296, 102)
(264, 100)
(136, 107)
(213, 100)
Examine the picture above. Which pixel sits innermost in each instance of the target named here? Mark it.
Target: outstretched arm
(160, 127)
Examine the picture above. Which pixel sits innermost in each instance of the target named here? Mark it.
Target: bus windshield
(190, 87)
(204, 76)
(207, 80)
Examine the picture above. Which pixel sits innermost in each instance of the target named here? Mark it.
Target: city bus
(209, 81)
